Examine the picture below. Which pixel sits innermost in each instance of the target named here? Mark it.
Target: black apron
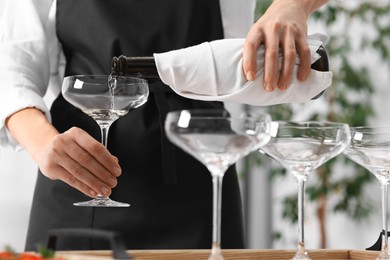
(170, 192)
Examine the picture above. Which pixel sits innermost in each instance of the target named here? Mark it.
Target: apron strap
(167, 147)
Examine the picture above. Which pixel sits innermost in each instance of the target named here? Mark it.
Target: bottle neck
(141, 67)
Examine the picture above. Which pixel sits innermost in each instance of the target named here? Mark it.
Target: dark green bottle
(141, 67)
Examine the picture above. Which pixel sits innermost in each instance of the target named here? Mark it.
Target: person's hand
(79, 160)
(284, 26)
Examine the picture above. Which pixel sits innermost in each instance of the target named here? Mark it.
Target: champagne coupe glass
(370, 148)
(301, 147)
(217, 140)
(105, 99)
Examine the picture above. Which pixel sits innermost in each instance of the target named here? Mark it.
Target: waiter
(169, 191)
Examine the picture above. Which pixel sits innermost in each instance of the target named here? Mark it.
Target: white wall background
(17, 179)
(18, 173)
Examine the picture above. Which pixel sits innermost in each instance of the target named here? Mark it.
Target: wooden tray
(269, 254)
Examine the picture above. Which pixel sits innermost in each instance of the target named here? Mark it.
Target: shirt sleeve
(24, 62)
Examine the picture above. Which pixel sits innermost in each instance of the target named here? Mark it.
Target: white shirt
(31, 56)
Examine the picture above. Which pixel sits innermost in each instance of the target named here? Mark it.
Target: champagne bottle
(141, 67)
(145, 67)
(322, 64)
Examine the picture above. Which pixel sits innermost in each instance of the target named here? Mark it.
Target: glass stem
(104, 127)
(384, 191)
(301, 215)
(217, 206)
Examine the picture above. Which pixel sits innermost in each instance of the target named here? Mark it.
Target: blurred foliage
(347, 100)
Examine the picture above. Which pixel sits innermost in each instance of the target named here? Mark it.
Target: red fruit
(29, 256)
(6, 256)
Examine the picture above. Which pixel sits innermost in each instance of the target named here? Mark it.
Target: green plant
(347, 100)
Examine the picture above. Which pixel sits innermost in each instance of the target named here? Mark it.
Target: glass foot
(301, 257)
(216, 257)
(216, 253)
(102, 202)
(384, 255)
(301, 253)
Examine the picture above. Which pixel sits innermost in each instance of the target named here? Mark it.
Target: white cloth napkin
(213, 71)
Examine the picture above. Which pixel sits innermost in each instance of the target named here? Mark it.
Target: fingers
(94, 154)
(288, 62)
(251, 45)
(305, 59)
(82, 162)
(291, 43)
(71, 180)
(282, 28)
(85, 180)
(254, 39)
(271, 63)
